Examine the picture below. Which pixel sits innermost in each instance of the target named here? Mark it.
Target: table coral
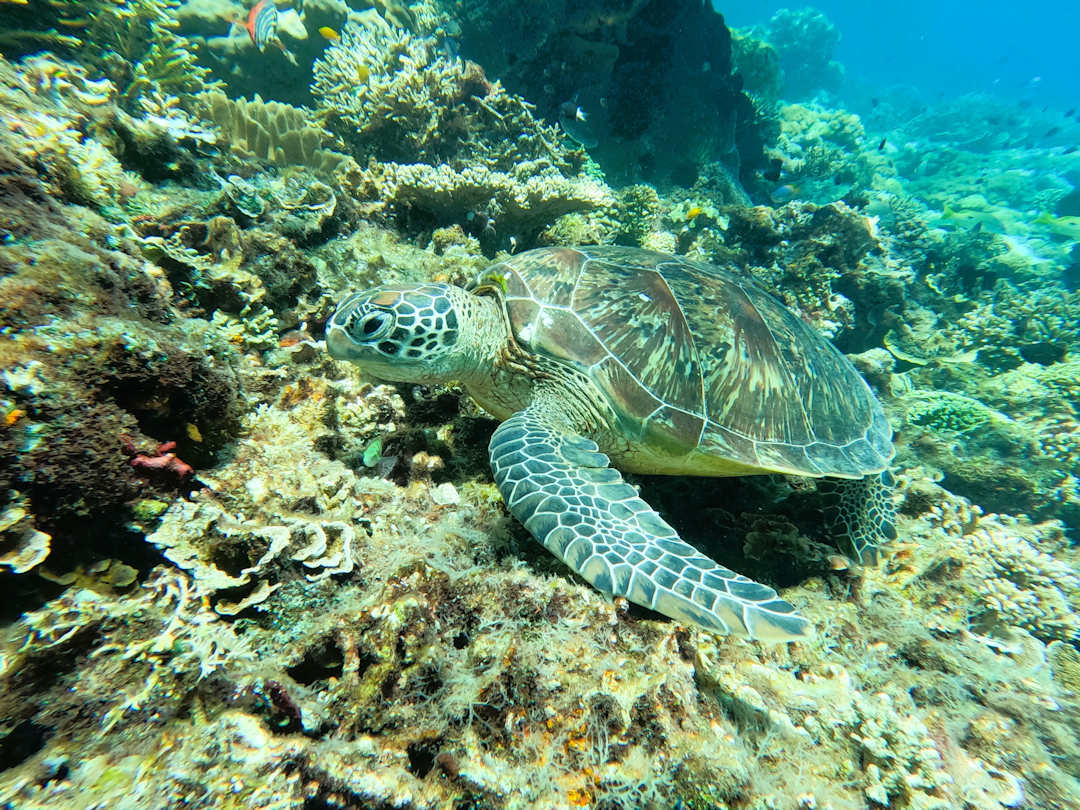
(517, 203)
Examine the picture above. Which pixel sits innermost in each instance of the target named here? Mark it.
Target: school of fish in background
(237, 573)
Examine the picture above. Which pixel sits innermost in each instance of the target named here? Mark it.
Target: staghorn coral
(168, 66)
(1040, 326)
(1030, 581)
(999, 360)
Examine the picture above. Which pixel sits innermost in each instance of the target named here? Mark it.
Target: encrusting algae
(240, 573)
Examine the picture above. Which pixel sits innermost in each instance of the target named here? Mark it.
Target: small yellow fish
(329, 33)
(362, 73)
(694, 213)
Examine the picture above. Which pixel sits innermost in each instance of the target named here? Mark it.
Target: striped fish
(262, 24)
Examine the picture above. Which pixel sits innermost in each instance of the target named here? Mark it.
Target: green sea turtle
(654, 364)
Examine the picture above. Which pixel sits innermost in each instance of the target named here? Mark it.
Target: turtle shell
(697, 360)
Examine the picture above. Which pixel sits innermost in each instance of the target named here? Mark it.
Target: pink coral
(164, 460)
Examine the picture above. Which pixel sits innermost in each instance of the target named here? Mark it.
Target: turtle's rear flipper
(861, 514)
(560, 486)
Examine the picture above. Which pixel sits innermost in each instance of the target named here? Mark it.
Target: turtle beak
(338, 342)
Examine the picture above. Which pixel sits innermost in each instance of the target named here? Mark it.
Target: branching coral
(1041, 325)
(444, 145)
(945, 412)
(394, 96)
(1022, 573)
(824, 149)
(134, 42)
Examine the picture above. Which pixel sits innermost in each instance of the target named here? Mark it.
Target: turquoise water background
(1023, 50)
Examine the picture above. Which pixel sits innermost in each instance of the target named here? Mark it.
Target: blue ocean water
(1015, 50)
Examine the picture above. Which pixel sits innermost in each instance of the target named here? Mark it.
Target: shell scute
(675, 430)
(695, 357)
(632, 401)
(636, 316)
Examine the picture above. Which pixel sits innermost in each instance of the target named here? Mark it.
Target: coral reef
(431, 671)
(50, 111)
(804, 40)
(94, 352)
(239, 574)
(758, 63)
(417, 105)
(823, 151)
(133, 42)
(826, 262)
(442, 144)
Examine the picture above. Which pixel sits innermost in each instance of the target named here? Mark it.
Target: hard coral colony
(305, 344)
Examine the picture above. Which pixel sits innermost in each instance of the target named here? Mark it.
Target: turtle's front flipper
(560, 486)
(862, 514)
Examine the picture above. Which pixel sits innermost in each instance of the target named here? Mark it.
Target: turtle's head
(409, 333)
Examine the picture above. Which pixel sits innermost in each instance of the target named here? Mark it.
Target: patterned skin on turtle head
(407, 333)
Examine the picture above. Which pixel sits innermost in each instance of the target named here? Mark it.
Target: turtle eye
(370, 325)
